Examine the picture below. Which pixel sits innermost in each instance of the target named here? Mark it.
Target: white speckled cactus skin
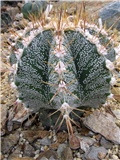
(62, 66)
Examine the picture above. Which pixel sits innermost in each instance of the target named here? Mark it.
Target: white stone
(20, 155)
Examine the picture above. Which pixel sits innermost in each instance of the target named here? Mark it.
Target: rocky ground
(25, 136)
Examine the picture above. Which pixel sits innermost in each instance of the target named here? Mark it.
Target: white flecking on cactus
(62, 65)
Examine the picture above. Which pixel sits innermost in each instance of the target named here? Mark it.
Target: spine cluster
(60, 69)
(63, 62)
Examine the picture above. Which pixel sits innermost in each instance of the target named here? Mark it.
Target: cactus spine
(63, 65)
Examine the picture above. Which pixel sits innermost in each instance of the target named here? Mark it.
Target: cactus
(34, 9)
(5, 19)
(63, 65)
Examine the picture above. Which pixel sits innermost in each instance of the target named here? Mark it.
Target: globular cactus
(35, 9)
(63, 65)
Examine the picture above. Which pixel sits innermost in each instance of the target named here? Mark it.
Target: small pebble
(101, 155)
(115, 157)
(20, 155)
(36, 156)
(51, 158)
(24, 140)
(77, 159)
(5, 155)
(45, 148)
(54, 137)
(42, 148)
(50, 137)
(43, 158)
(21, 139)
(91, 134)
(27, 142)
(45, 141)
(51, 134)
(21, 143)
(109, 151)
(37, 152)
(78, 155)
(21, 135)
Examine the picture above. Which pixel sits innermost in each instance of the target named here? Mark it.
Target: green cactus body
(32, 70)
(92, 74)
(104, 40)
(63, 70)
(34, 9)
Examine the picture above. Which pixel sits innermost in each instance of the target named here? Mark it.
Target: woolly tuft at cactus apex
(63, 61)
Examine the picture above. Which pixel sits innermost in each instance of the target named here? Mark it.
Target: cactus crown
(62, 64)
